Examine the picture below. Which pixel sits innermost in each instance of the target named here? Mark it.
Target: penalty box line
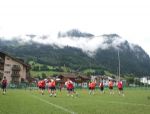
(54, 105)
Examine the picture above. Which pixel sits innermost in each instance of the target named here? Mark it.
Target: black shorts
(101, 88)
(120, 89)
(43, 88)
(110, 87)
(91, 88)
(70, 89)
(52, 88)
(3, 86)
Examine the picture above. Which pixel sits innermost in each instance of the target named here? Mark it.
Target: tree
(44, 68)
(43, 76)
(36, 68)
(99, 72)
(130, 80)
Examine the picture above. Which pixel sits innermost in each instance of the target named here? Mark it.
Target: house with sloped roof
(14, 69)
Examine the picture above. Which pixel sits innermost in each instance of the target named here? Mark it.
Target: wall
(9, 62)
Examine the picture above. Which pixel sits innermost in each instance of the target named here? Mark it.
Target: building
(79, 81)
(14, 69)
(145, 80)
(105, 79)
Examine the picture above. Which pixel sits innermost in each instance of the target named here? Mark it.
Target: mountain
(134, 60)
(74, 33)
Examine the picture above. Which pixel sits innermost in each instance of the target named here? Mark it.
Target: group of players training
(70, 87)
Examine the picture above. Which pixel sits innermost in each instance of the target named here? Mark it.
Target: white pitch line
(57, 106)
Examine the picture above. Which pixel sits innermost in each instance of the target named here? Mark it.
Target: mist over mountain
(74, 33)
(73, 38)
(79, 50)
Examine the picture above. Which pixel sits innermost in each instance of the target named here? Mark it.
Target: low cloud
(87, 44)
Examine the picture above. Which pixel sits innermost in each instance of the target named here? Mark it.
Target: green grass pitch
(135, 101)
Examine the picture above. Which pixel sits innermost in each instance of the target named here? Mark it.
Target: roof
(71, 75)
(27, 65)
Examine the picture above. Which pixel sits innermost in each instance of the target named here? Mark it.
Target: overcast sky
(128, 18)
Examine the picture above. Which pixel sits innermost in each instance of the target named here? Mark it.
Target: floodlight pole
(119, 64)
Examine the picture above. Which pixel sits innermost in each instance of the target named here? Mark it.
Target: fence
(33, 86)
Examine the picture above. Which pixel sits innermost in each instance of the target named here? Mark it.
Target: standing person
(101, 86)
(67, 87)
(60, 87)
(120, 88)
(4, 85)
(39, 86)
(70, 87)
(90, 89)
(110, 85)
(52, 88)
(43, 84)
(92, 85)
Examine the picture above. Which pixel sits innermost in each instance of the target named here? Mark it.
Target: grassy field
(135, 101)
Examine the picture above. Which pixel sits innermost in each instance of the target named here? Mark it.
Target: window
(15, 72)
(8, 72)
(16, 68)
(8, 65)
(16, 65)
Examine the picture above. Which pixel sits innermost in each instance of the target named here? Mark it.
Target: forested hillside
(134, 60)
